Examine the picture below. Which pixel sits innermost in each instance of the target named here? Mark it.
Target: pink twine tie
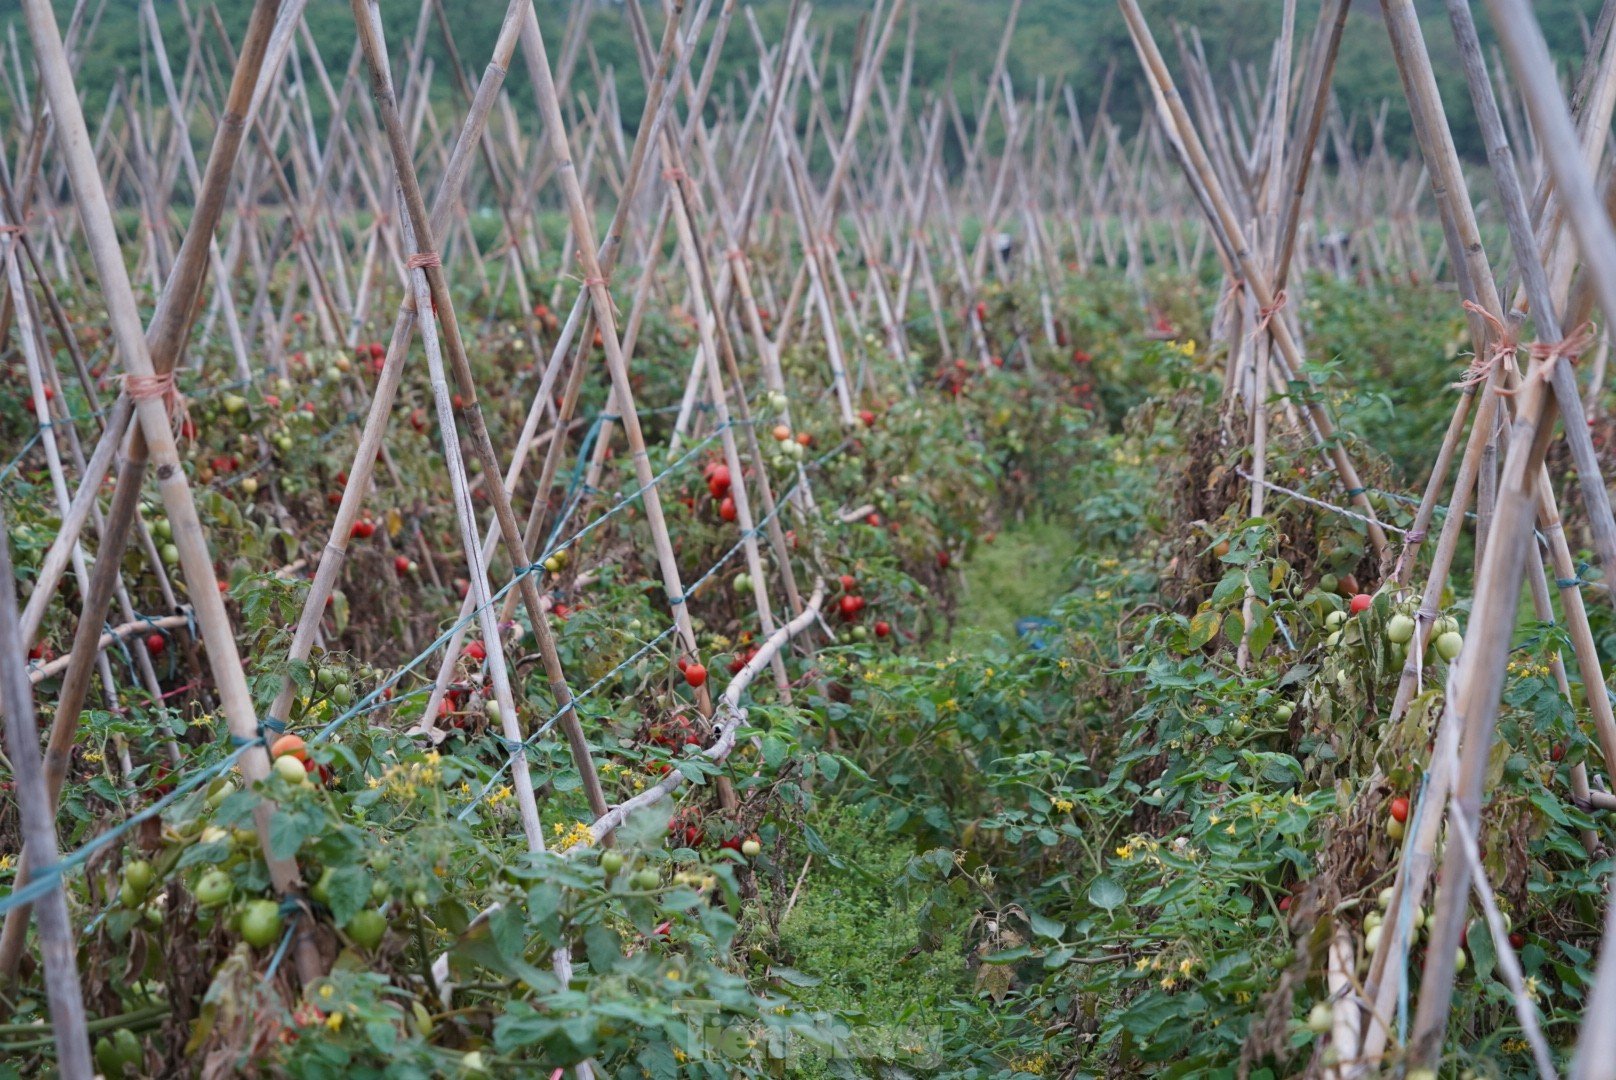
(162, 385)
(1550, 353)
(1502, 350)
(1266, 315)
(422, 260)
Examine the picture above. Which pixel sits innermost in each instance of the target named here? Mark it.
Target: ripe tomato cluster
(695, 674)
(292, 762)
(674, 733)
(374, 352)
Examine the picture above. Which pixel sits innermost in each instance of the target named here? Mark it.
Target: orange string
(160, 385)
(1502, 349)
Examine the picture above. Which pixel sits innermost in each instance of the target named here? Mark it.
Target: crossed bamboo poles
(417, 230)
(888, 192)
(1522, 494)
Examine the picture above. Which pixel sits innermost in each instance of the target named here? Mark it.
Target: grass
(852, 930)
(1023, 572)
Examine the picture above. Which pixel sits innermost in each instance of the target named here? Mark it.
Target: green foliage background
(1063, 42)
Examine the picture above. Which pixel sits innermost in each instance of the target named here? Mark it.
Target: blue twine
(44, 879)
(289, 906)
(47, 878)
(26, 447)
(572, 706)
(367, 702)
(690, 590)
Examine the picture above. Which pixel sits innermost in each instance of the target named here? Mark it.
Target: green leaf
(1045, 927)
(1232, 585)
(603, 948)
(1234, 627)
(215, 852)
(817, 845)
(1480, 940)
(349, 891)
(1106, 894)
(1263, 629)
(793, 977)
(287, 831)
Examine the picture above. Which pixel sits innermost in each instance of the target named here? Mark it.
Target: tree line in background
(1081, 43)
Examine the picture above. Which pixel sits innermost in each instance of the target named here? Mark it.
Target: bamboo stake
(581, 319)
(367, 19)
(169, 326)
(601, 302)
(62, 992)
(1289, 365)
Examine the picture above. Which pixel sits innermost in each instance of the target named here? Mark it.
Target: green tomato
(163, 528)
(322, 888)
(646, 880)
(213, 888)
(343, 694)
(171, 554)
(139, 876)
(117, 1053)
(260, 923)
(1399, 629)
(1320, 1018)
(611, 861)
(1448, 645)
(367, 928)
